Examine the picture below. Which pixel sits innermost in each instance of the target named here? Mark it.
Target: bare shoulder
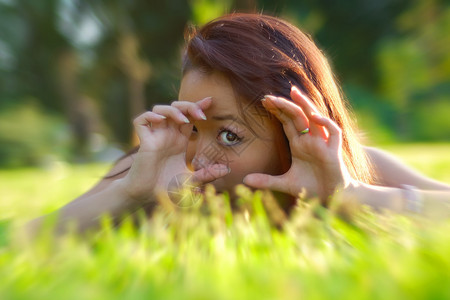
(391, 171)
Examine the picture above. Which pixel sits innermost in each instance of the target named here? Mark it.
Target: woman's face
(246, 147)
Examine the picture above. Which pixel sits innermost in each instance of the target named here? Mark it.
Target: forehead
(197, 85)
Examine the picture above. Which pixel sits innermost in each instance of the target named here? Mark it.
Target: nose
(203, 156)
(197, 155)
(200, 161)
(208, 153)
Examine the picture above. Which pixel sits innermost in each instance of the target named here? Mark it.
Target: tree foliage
(100, 63)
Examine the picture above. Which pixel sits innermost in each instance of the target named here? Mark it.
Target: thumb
(264, 181)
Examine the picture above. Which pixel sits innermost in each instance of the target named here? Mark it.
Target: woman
(257, 105)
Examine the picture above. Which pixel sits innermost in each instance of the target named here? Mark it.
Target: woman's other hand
(164, 133)
(317, 166)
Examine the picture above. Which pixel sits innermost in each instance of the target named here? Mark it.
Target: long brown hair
(262, 55)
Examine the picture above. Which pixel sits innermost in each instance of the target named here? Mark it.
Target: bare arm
(434, 204)
(394, 173)
(106, 197)
(160, 158)
(432, 196)
(319, 169)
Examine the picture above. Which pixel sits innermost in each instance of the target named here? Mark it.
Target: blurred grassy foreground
(208, 253)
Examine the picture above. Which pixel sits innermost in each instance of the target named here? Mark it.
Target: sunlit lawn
(213, 254)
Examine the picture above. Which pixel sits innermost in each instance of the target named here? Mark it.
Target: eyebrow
(228, 117)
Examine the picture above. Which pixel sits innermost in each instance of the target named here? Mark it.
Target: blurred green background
(73, 74)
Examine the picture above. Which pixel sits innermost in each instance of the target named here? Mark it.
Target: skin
(317, 165)
(168, 147)
(245, 147)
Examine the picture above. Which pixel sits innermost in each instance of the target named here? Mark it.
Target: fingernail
(162, 117)
(201, 114)
(185, 120)
(205, 99)
(294, 88)
(269, 97)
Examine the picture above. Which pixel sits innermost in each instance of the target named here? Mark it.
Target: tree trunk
(79, 110)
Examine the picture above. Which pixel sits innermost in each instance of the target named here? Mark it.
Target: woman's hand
(164, 133)
(317, 165)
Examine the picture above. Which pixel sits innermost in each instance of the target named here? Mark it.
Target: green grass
(207, 252)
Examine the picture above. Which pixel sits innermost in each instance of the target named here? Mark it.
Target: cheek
(238, 169)
(260, 159)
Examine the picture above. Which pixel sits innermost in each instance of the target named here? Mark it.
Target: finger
(288, 126)
(334, 131)
(172, 113)
(309, 108)
(142, 122)
(290, 115)
(186, 130)
(210, 173)
(264, 181)
(291, 110)
(205, 103)
(303, 101)
(148, 117)
(193, 109)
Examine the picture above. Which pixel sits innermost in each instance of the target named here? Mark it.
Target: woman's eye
(228, 138)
